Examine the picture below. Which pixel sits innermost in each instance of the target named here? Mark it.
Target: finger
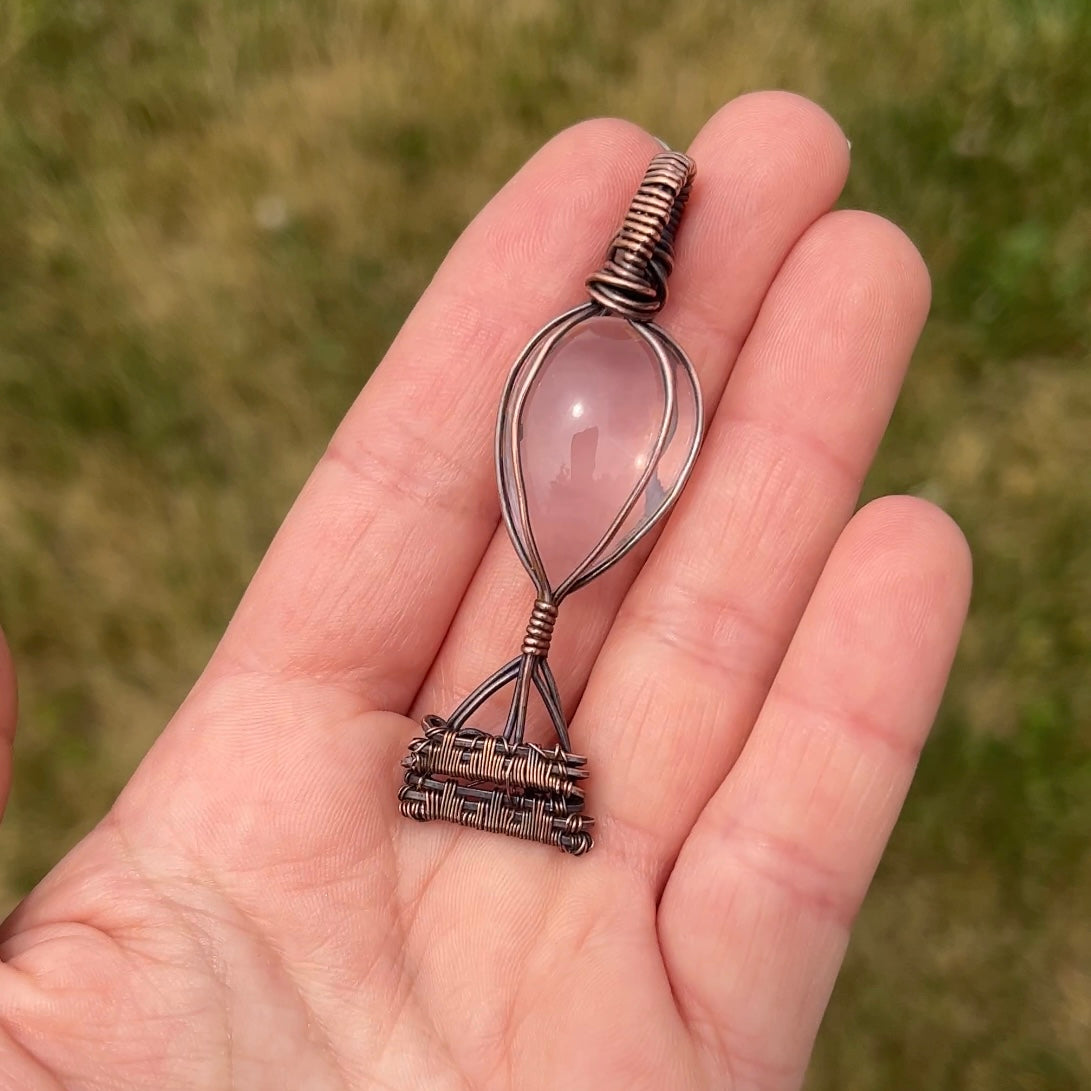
(699, 638)
(756, 915)
(8, 710)
(361, 582)
(767, 166)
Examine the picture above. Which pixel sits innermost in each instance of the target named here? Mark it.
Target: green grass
(194, 282)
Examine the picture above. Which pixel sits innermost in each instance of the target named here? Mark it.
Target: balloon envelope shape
(598, 429)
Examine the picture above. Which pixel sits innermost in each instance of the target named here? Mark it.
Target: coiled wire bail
(632, 282)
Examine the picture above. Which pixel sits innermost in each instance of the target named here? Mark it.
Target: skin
(254, 913)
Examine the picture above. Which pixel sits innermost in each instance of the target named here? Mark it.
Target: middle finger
(768, 165)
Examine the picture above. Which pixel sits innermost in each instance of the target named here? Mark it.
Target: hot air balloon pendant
(599, 426)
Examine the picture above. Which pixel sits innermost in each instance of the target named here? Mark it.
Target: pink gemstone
(588, 430)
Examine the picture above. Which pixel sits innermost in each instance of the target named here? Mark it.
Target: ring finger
(699, 639)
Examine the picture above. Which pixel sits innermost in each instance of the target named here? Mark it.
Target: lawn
(214, 216)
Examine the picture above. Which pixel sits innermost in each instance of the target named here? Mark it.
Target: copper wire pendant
(599, 425)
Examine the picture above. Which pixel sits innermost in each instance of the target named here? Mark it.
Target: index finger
(368, 569)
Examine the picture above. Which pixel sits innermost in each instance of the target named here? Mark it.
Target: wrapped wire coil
(632, 282)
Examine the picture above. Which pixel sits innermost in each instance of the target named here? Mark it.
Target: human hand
(254, 913)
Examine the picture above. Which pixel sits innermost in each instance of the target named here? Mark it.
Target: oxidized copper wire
(540, 629)
(501, 783)
(633, 281)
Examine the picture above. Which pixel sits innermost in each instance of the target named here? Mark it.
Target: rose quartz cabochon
(588, 429)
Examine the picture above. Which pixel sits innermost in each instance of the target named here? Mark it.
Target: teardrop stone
(588, 429)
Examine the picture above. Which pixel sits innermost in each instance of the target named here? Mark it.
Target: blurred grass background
(215, 213)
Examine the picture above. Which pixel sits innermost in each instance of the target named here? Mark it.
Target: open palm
(254, 913)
